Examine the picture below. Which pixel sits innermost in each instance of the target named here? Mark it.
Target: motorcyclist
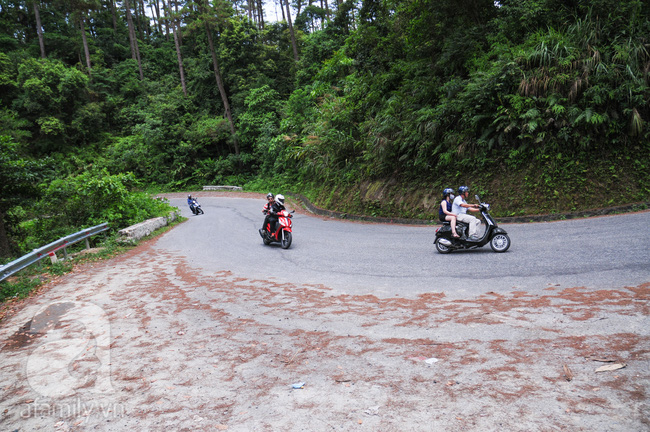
(266, 209)
(191, 203)
(460, 207)
(444, 211)
(278, 206)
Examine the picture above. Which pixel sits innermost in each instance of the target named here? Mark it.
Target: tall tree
(260, 12)
(114, 15)
(146, 25)
(135, 51)
(155, 11)
(82, 19)
(39, 28)
(171, 17)
(294, 44)
(207, 19)
(78, 13)
(180, 34)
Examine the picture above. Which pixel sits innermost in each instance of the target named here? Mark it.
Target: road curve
(389, 260)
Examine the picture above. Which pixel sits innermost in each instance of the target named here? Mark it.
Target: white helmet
(280, 198)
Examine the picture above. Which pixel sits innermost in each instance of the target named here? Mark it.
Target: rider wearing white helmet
(278, 206)
(460, 207)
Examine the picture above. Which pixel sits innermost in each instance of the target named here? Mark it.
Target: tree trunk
(82, 19)
(135, 52)
(39, 29)
(166, 18)
(180, 62)
(293, 35)
(114, 15)
(145, 20)
(156, 21)
(260, 11)
(157, 6)
(178, 26)
(138, 21)
(222, 90)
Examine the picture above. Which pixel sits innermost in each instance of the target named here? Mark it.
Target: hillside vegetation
(366, 106)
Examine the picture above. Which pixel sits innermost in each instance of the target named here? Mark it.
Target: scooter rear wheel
(442, 248)
(500, 243)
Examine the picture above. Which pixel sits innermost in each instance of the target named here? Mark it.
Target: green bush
(90, 199)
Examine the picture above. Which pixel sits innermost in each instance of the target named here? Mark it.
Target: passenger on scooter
(460, 207)
(444, 211)
(278, 206)
(267, 209)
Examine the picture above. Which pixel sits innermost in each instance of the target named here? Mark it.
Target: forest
(363, 106)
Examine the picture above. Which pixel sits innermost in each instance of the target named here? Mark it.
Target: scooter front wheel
(500, 243)
(286, 240)
(442, 248)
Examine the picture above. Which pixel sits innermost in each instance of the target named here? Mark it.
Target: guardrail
(230, 188)
(50, 250)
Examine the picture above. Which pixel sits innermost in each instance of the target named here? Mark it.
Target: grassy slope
(540, 187)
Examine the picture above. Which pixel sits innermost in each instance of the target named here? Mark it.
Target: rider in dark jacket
(278, 206)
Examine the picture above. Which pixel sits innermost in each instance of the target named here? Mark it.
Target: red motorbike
(282, 232)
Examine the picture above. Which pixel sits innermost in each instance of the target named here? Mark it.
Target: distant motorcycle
(282, 233)
(497, 237)
(195, 207)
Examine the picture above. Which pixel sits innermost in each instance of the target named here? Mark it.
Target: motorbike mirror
(477, 198)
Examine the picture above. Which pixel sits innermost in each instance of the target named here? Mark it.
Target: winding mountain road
(389, 260)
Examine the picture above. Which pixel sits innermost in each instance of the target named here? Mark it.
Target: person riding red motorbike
(276, 207)
(277, 225)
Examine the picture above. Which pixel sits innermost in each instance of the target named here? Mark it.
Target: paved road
(389, 260)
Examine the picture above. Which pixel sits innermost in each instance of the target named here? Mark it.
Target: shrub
(92, 198)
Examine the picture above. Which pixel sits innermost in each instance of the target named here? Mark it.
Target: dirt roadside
(194, 351)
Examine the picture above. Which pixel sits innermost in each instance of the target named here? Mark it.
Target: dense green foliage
(543, 105)
(92, 198)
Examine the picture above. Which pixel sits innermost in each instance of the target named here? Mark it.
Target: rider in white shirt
(460, 207)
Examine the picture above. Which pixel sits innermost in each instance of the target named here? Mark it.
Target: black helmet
(269, 195)
(189, 196)
(463, 189)
(447, 192)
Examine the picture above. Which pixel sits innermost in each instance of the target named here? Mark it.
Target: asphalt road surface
(388, 260)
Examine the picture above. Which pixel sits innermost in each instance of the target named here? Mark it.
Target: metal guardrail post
(48, 250)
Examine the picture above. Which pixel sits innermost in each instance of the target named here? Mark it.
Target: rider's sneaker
(473, 238)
